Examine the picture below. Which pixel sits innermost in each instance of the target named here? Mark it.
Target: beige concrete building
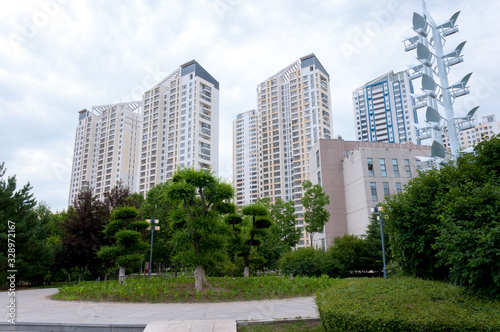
(488, 127)
(358, 175)
(106, 147)
(245, 157)
(293, 113)
(180, 125)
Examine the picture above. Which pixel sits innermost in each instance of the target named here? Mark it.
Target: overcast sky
(58, 57)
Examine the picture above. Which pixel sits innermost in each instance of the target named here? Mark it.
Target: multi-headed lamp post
(432, 36)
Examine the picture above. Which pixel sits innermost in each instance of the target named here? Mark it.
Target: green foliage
(411, 218)
(447, 223)
(469, 240)
(314, 202)
(404, 304)
(304, 262)
(350, 255)
(199, 235)
(24, 229)
(181, 289)
(127, 233)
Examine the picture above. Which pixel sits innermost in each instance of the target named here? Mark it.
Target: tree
(282, 236)
(373, 242)
(446, 225)
(351, 255)
(23, 230)
(127, 233)
(199, 233)
(156, 206)
(83, 233)
(253, 233)
(314, 202)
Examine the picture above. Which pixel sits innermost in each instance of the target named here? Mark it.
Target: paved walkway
(35, 306)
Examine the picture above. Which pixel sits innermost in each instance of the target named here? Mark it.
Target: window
(386, 189)
(373, 188)
(317, 159)
(398, 187)
(395, 167)
(370, 167)
(319, 178)
(407, 168)
(382, 167)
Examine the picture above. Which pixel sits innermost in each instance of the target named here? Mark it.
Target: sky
(58, 57)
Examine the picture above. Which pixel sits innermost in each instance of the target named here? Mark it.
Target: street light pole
(377, 209)
(151, 250)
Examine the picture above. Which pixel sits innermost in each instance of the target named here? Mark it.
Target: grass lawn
(181, 289)
(293, 326)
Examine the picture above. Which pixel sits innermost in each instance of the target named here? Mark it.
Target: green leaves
(314, 202)
(447, 223)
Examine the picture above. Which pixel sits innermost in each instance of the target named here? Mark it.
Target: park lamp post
(378, 209)
(153, 228)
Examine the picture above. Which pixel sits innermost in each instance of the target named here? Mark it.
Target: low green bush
(303, 262)
(405, 304)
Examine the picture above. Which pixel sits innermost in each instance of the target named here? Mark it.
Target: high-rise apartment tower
(180, 125)
(106, 147)
(383, 110)
(293, 112)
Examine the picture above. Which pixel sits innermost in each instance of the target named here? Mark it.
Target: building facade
(293, 112)
(488, 127)
(245, 158)
(357, 176)
(106, 148)
(383, 110)
(180, 125)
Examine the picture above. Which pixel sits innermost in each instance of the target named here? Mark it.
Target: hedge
(405, 304)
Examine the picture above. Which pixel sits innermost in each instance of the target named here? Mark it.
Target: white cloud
(87, 54)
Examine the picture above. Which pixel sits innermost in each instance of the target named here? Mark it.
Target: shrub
(303, 262)
(404, 304)
(351, 255)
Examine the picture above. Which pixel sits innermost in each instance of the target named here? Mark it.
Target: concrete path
(35, 306)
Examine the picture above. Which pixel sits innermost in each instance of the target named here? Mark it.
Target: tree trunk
(199, 278)
(106, 277)
(246, 272)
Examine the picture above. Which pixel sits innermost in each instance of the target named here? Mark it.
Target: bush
(404, 304)
(303, 262)
(351, 255)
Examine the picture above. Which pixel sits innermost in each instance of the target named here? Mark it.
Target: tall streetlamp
(429, 43)
(377, 209)
(152, 222)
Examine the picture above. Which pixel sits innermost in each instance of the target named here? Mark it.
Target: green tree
(446, 224)
(254, 231)
(82, 233)
(24, 231)
(314, 202)
(199, 233)
(156, 206)
(282, 236)
(373, 242)
(350, 255)
(127, 233)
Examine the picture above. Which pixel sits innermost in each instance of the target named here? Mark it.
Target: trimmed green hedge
(404, 304)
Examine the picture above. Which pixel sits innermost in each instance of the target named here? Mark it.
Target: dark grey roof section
(193, 66)
(310, 60)
(82, 114)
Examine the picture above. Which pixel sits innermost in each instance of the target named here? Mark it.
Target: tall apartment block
(180, 125)
(383, 110)
(293, 112)
(245, 158)
(106, 148)
(488, 127)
